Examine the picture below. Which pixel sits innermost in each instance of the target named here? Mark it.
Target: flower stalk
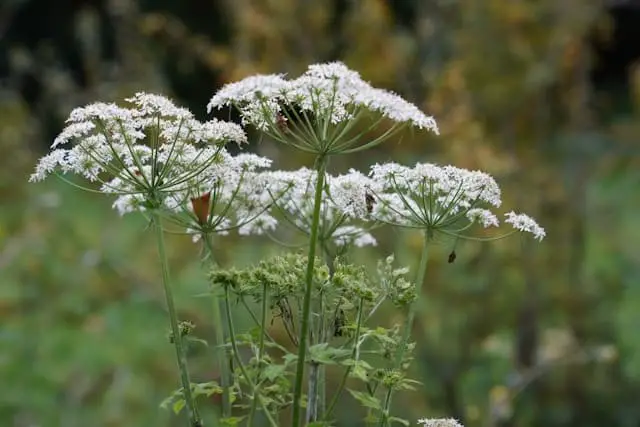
(236, 353)
(190, 404)
(224, 358)
(408, 324)
(321, 166)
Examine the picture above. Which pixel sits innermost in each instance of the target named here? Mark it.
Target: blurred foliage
(511, 334)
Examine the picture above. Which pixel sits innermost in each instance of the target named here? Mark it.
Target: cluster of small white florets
(154, 154)
(292, 196)
(328, 92)
(132, 148)
(439, 422)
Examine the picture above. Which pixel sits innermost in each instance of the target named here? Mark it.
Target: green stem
(384, 419)
(408, 325)
(321, 165)
(224, 364)
(190, 404)
(243, 370)
(263, 322)
(354, 356)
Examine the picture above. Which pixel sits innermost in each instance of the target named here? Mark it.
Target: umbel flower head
(443, 199)
(439, 422)
(292, 197)
(323, 111)
(227, 195)
(142, 152)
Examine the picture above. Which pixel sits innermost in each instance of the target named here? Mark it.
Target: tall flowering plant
(156, 159)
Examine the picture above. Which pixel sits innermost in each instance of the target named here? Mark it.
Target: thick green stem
(321, 165)
(224, 357)
(190, 404)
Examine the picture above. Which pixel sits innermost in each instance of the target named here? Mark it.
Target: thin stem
(243, 370)
(408, 325)
(263, 322)
(190, 404)
(384, 419)
(354, 356)
(224, 364)
(321, 165)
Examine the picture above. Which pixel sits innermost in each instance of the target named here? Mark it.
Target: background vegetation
(543, 94)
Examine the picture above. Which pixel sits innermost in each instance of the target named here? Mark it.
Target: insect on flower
(281, 122)
(370, 200)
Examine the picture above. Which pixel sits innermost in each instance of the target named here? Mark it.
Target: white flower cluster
(292, 194)
(440, 198)
(149, 149)
(325, 94)
(143, 143)
(439, 422)
(153, 154)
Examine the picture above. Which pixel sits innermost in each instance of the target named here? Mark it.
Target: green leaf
(366, 400)
(289, 358)
(206, 389)
(231, 421)
(407, 384)
(398, 420)
(272, 372)
(360, 369)
(178, 405)
(198, 341)
(322, 353)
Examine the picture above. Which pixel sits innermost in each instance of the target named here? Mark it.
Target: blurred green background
(543, 94)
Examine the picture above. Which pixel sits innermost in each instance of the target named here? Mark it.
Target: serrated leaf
(289, 358)
(322, 353)
(359, 371)
(365, 399)
(272, 372)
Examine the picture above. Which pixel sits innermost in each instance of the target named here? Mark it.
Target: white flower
(227, 194)
(347, 234)
(146, 153)
(433, 196)
(439, 422)
(485, 217)
(311, 111)
(349, 193)
(525, 223)
(437, 198)
(343, 201)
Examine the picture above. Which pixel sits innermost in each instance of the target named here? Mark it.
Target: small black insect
(370, 201)
(452, 257)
